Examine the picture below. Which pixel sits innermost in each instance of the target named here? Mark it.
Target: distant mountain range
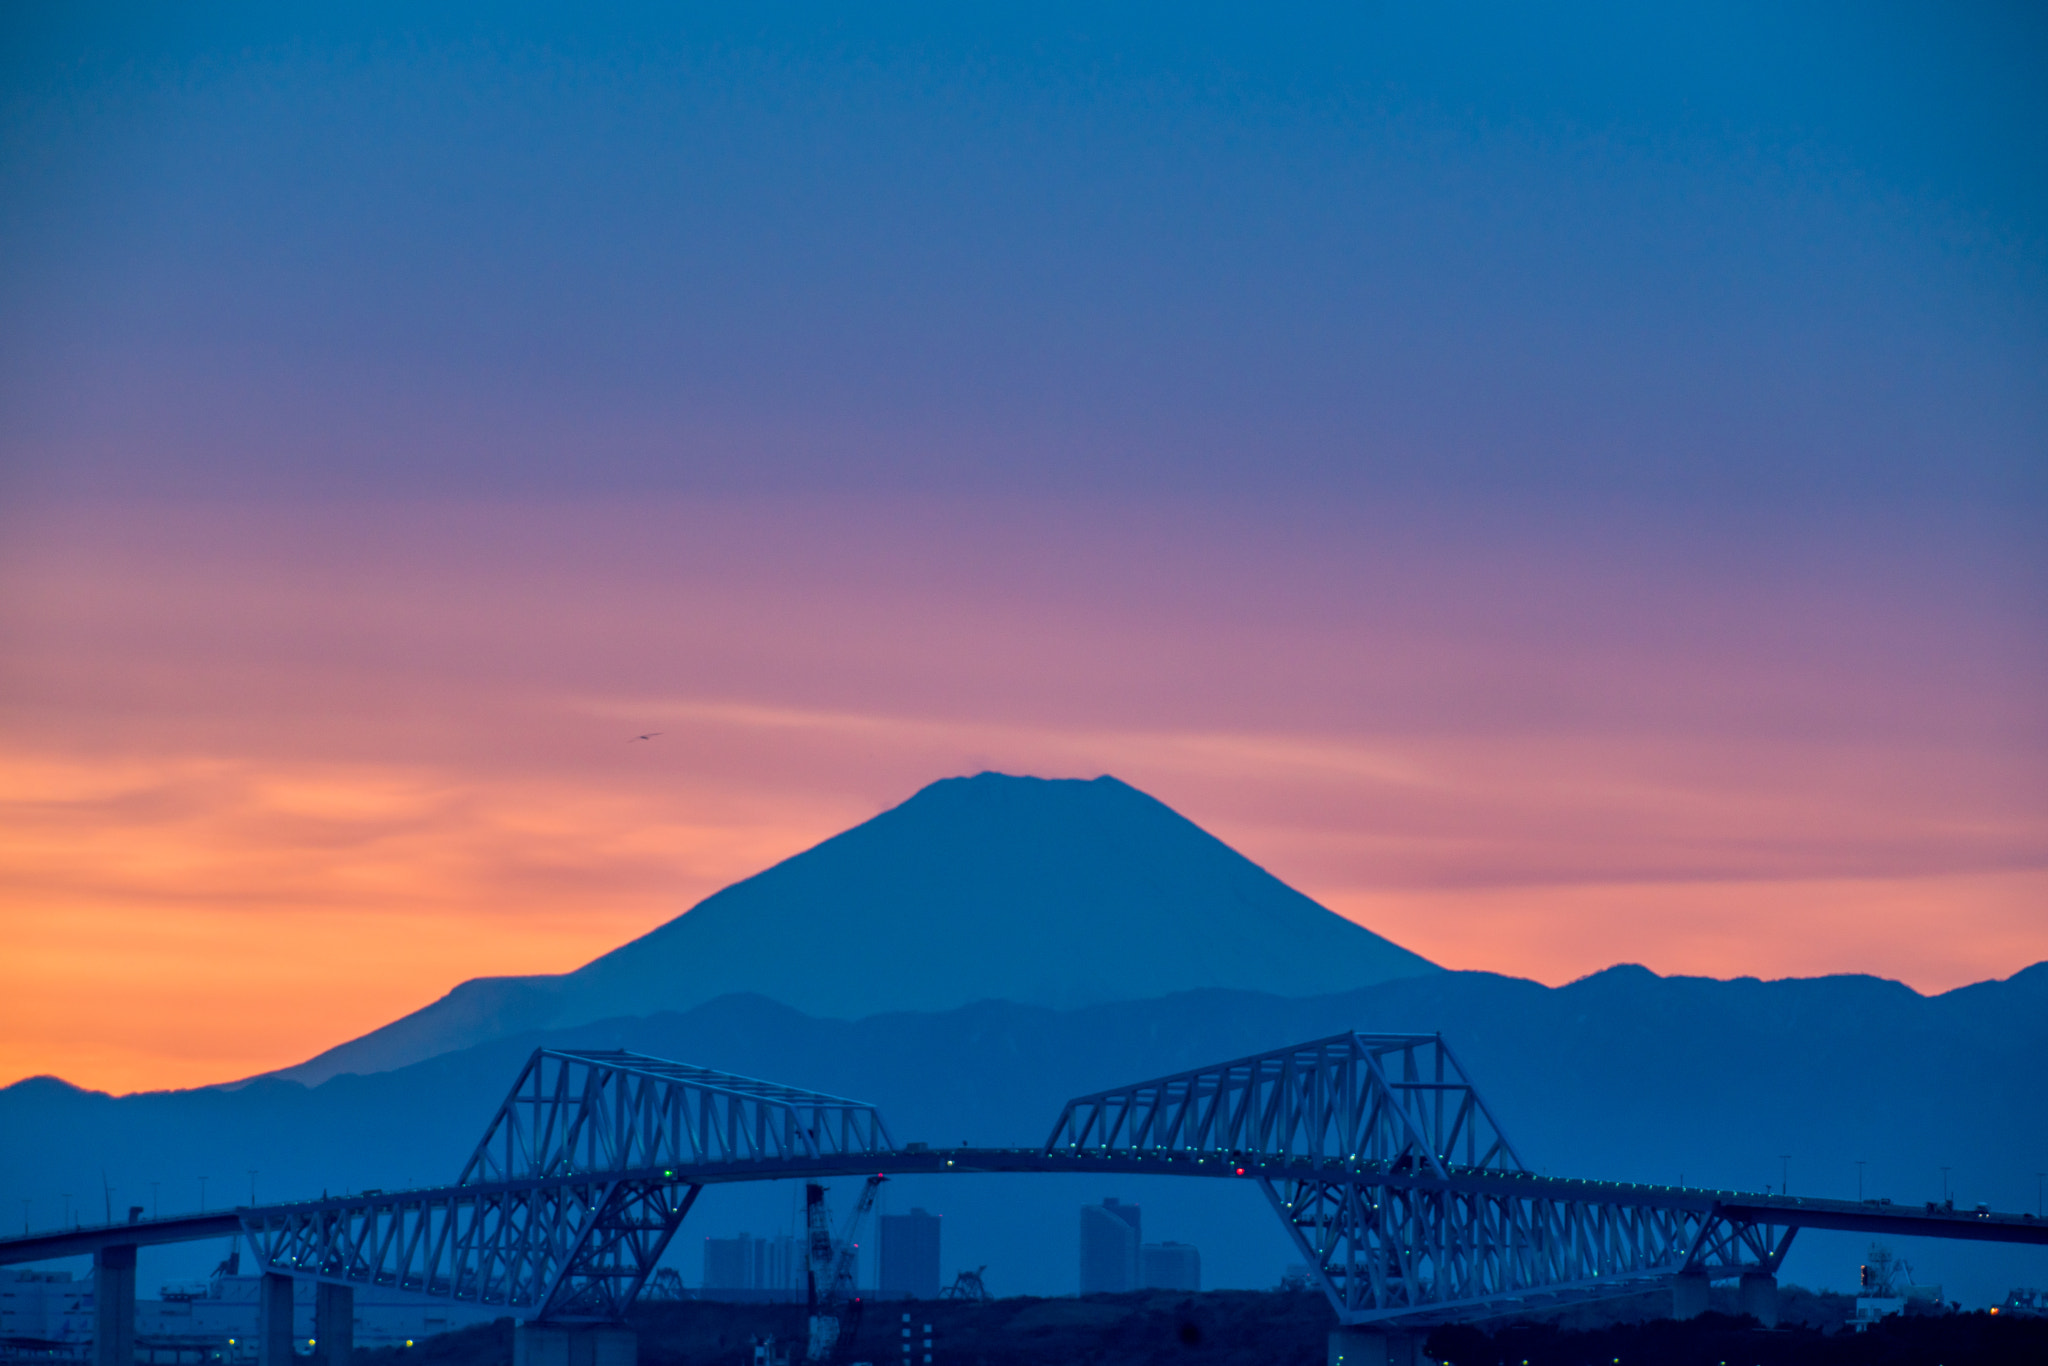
(1624, 1075)
(1048, 892)
(995, 945)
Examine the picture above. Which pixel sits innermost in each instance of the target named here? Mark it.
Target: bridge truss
(580, 1181)
(1384, 1101)
(1400, 1190)
(1376, 1152)
(1430, 1250)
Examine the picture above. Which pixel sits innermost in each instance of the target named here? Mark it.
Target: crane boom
(831, 1262)
(843, 1269)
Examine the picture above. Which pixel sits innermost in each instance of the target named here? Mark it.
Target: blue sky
(1729, 253)
(1559, 486)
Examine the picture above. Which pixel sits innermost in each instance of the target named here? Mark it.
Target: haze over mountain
(994, 945)
(1044, 892)
(1623, 1075)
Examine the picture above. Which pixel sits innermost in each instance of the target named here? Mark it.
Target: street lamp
(1859, 1183)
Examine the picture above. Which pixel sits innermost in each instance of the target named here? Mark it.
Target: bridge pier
(113, 1306)
(1689, 1294)
(1374, 1347)
(274, 1320)
(1760, 1297)
(580, 1344)
(334, 1324)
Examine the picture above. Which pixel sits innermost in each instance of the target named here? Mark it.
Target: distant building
(910, 1256)
(756, 1268)
(213, 1319)
(1109, 1247)
(45, 1306)
(1169, 1266)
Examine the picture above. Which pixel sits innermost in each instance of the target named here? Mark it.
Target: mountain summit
(1051, 892)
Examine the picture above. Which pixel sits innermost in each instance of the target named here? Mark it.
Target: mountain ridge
(1055, 891)
(1621, 1075)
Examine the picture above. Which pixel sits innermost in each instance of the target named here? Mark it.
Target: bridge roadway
(1378, 1155)
(1782, 1211)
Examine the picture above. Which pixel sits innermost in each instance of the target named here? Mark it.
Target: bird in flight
(648, 736)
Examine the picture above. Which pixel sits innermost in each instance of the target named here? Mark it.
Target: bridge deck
(1780, 1210)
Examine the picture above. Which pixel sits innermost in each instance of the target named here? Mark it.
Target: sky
(1559, 488)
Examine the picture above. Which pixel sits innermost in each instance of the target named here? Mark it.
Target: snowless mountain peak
(1051, 892)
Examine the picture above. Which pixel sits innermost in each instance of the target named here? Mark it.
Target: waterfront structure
(910, 1256)
(770, 1267)
(205, 1320)
(1110, 1234)
(1169, 1266)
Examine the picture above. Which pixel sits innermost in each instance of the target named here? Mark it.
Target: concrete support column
(1760, 1298)
(553, 1344)
(334, 1324)
(274, 1320)
(1689, 1294)
(113, 1307)
(540, 1344)
(1373, 1347)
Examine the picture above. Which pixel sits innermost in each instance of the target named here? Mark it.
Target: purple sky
(1558, 489)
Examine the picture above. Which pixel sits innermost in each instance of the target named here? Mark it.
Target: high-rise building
(910, 1255)
(727, 1265)
(1169, 1266)
(754, 1264)
(1109, 1247)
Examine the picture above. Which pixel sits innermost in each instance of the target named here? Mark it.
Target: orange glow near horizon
(238, 920)
(258, 796)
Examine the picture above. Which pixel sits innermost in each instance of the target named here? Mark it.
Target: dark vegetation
(1222, 1328)
(1725, 1340)
(1798, 1307)
(1253, 1328)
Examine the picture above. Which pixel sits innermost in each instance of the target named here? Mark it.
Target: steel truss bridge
(1375, 1152)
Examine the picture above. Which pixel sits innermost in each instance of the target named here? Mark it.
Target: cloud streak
(311, 768)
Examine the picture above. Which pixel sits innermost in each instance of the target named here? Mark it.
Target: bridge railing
(584, 1112)
(561, 1249)
(1386, 1101)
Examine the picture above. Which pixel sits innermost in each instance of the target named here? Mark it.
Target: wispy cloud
(253, 772)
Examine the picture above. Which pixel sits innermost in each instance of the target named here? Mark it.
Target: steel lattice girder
(1411, 1211)
(1375, 1150)
(574, 1113)
(550, 1248)
(1385, 1101)
(1425, 1250)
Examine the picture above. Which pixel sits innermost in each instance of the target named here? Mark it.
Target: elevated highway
(1375, 1152)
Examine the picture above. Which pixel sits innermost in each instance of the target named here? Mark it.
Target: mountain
(1623, 1075)
(1046, 892)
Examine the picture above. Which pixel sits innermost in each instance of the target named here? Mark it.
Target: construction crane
(829, 1269)
(969, 1286)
